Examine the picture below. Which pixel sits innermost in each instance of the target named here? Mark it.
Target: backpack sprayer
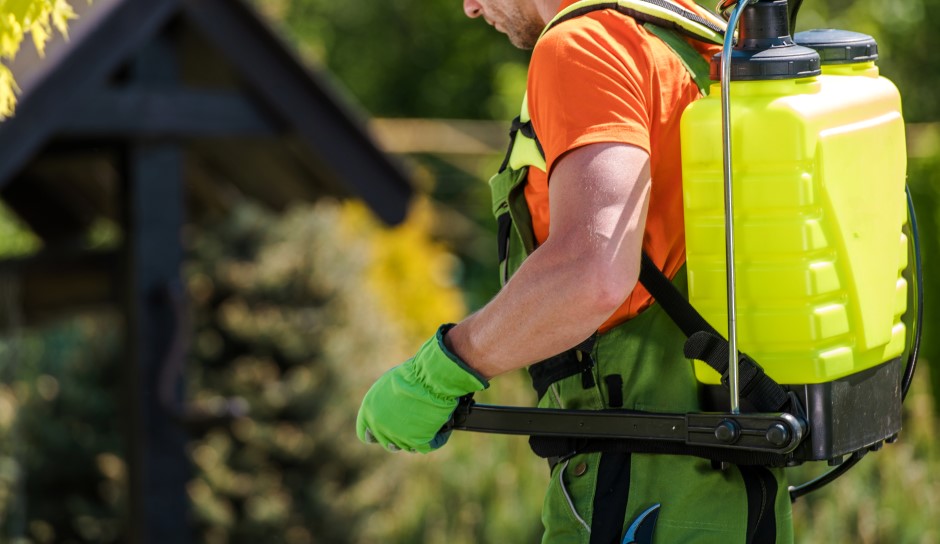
(806, 262)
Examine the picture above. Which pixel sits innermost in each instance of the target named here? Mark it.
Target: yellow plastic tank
(819, 167)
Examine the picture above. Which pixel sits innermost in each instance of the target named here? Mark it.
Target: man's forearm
(555, 300)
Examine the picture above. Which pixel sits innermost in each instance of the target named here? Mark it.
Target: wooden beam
(91, 58)
(259, 165)
(157, 462)
(153, 203)
(441, 136)
(136, 112)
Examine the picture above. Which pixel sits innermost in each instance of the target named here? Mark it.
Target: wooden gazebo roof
(251, 117)
(153, 113)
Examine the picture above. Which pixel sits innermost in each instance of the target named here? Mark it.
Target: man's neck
(547, 9)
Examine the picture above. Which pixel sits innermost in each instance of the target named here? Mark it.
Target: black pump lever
(774, 433)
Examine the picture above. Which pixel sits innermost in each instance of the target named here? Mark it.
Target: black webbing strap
(503, 226)
(705, 344)
(764, 394)
(558, 448)
(761, 488)
(576, 360)
(513, 128)
(674, 303)
(610, 498)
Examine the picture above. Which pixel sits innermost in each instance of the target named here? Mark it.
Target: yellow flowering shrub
(408, 273)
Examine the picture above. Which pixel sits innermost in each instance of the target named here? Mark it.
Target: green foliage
(16, 239)
(295, 318)
(410, 276)
(62, 477)
(409, 58)
(924, 181)
(19, 18)
(907, 43)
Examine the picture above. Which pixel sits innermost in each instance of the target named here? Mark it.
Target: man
(605, 96)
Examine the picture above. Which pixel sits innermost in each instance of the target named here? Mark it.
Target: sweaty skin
(571, 284)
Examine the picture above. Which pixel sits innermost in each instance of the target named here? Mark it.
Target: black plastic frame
(844, 415)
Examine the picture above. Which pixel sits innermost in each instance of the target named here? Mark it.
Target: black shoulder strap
(706, 344)
(676, 306)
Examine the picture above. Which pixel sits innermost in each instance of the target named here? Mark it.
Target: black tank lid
(839, 46)
(789, 62)
(765, 49)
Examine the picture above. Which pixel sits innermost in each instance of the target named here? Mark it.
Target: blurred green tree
(294, 318)
(62, 477)
(906, 43)
(420, 59)
(408, 58)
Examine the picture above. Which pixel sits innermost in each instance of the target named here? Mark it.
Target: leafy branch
(18, 18)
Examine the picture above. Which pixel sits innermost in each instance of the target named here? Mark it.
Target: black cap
(839, 46)
(765, 50)
(787, 62)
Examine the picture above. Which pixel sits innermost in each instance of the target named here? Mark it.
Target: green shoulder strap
(666, 21)
(696, 65)
(662, 13)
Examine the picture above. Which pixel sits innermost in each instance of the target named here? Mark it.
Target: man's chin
(520, 41)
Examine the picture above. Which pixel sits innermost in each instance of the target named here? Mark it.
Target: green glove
(406, 408)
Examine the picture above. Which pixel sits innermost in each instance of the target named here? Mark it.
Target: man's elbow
(609, 286)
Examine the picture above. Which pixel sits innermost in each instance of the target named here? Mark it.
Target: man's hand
(407, 407)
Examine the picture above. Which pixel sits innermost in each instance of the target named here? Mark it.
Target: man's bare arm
(583, 272)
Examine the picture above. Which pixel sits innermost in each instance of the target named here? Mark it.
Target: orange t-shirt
(602, 78)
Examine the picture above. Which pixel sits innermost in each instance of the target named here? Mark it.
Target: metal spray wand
(729, 204)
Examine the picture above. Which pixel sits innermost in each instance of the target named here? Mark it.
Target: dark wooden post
(153, 203)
